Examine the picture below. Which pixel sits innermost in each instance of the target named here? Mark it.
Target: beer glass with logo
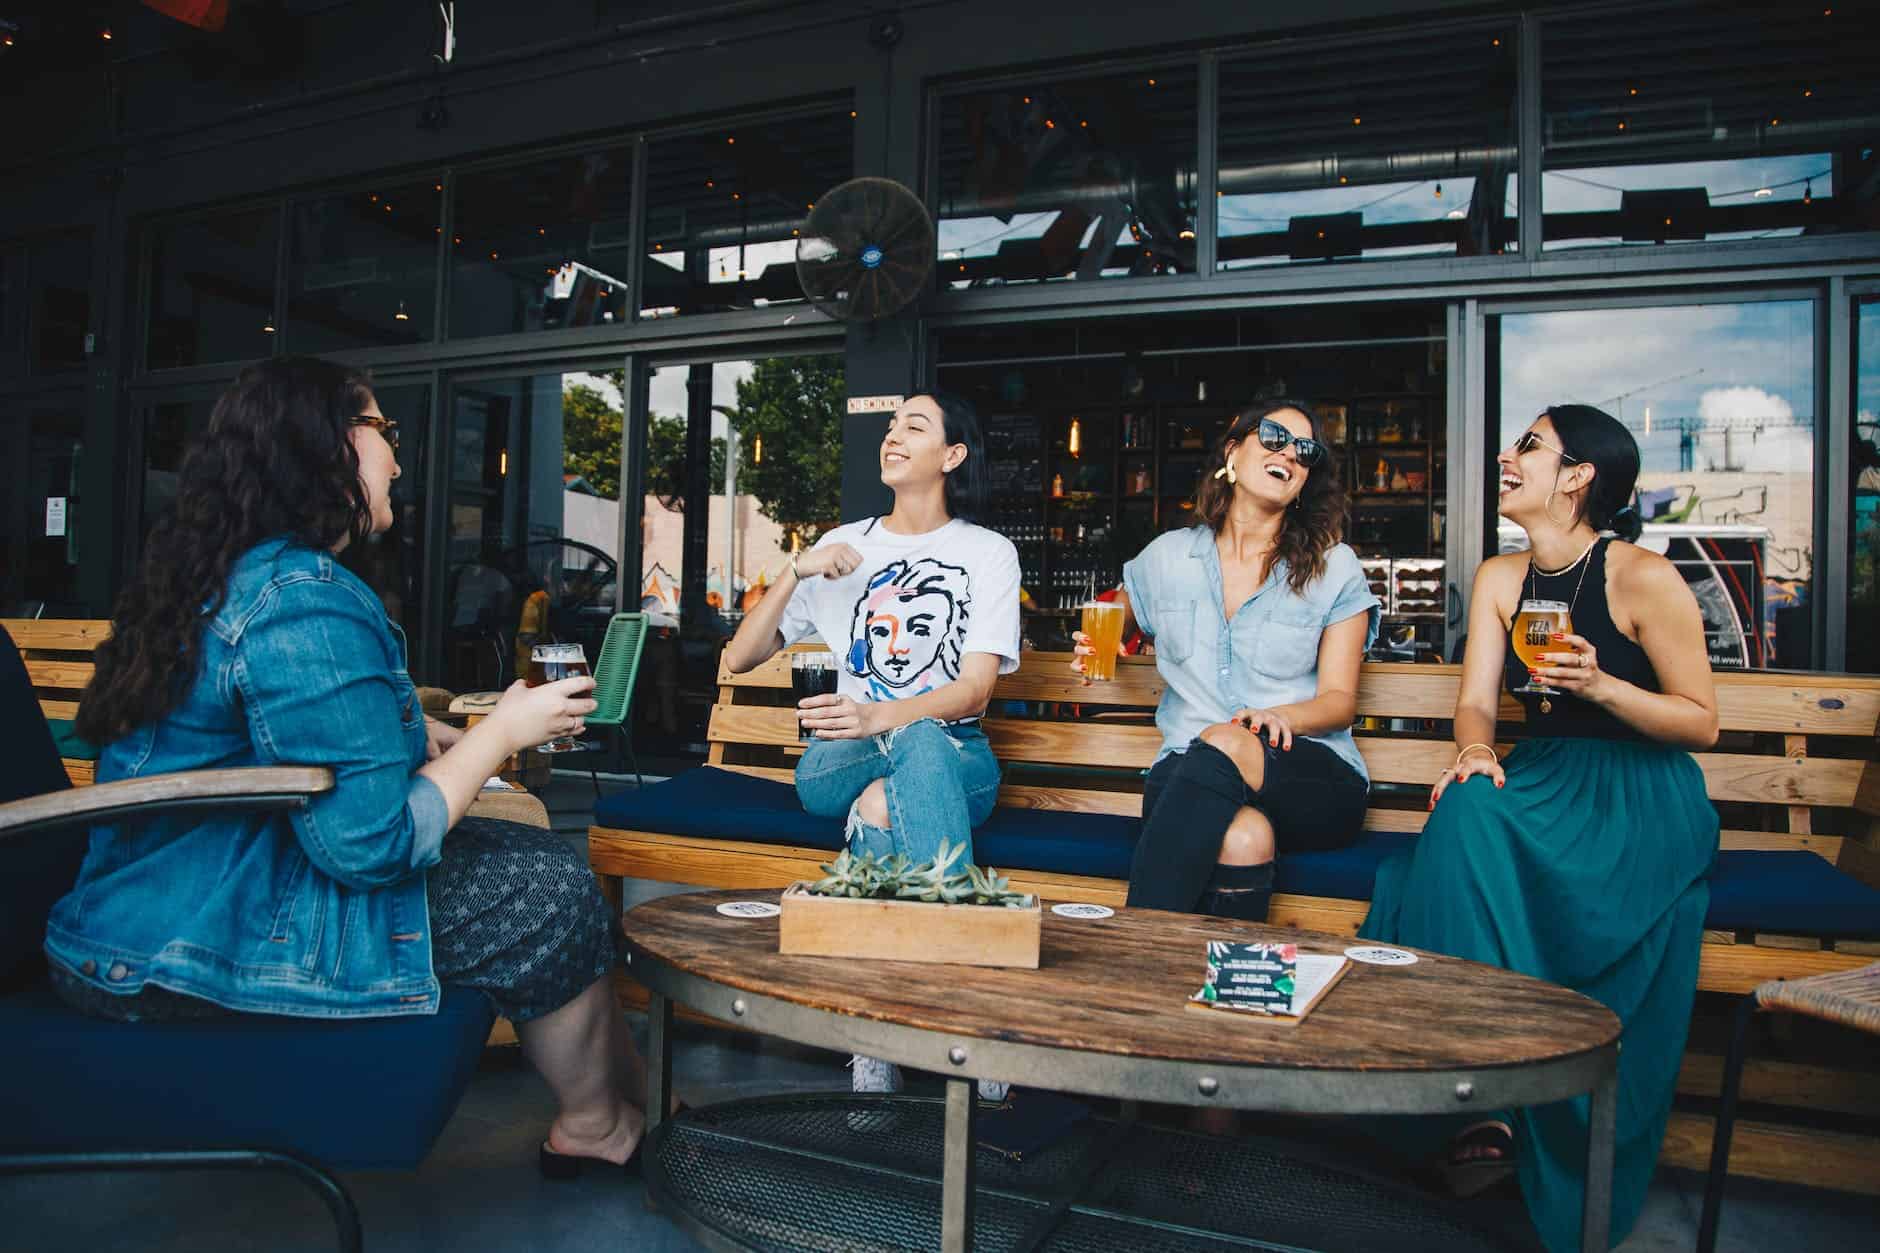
(1534, 629)
(1103, 626)
(548, 663)
(811, 674)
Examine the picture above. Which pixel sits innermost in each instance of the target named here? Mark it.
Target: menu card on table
(1272, 979)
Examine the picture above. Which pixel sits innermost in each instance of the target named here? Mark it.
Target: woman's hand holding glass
(1082, 648)
(839, 717)
(1575, 672)
(1480, 761)
(533, 715)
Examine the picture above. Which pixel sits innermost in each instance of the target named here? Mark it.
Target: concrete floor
(479, 1187)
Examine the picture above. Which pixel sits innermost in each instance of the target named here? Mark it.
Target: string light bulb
(1076, 444)
(1439, 191)
(1808, 192)
(267, 326)
(400, 316)
(1648, 419)
(757, 451)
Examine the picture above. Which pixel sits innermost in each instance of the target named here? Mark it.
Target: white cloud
(1747, 404)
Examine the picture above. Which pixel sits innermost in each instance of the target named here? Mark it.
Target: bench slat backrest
(754, 720)
(58, 653)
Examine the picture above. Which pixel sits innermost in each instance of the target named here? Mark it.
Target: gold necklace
(1547, 704)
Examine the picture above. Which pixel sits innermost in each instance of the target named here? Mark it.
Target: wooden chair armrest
(246, 787)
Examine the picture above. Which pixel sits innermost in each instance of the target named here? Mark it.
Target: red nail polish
(1556, 636)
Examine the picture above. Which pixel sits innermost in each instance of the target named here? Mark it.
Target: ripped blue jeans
(942, 781)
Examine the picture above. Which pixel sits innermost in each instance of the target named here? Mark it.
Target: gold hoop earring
(1547, 507)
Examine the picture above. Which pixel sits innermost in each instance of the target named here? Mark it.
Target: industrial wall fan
(866, 251)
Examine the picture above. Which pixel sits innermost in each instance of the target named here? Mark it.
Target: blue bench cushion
(361, 1093)
(1784, 892)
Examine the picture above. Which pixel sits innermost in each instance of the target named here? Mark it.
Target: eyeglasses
(1273, 437)
(384, 426)
(1530, 440)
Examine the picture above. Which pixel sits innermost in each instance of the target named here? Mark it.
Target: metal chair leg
(331, 1191)
(1726, 1124)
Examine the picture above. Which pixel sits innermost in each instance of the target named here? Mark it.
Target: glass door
(531, 528)
(742, 467)
(1721, 397)
(1863, 467)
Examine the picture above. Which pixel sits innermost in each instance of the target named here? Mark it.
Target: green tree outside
(791, 407)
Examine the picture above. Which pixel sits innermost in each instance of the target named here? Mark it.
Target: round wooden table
(1107, 1014)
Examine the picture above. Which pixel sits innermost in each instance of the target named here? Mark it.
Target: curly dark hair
(1316, 519)
(277, 459)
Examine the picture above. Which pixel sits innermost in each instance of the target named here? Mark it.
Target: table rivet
(738, 1007)
(1465, 1091)
(1208, 1085)
(957, 1055)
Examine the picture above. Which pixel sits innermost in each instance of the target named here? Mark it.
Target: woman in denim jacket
(1261, 618)
(243, 642)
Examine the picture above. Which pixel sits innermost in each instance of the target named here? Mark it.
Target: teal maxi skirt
(1588, 870)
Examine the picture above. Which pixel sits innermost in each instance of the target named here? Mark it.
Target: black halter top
(1592, 618)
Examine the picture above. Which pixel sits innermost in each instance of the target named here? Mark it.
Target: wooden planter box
(909, 931)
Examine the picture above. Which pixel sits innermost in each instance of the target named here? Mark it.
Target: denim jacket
(1268, 655)
(319, 911)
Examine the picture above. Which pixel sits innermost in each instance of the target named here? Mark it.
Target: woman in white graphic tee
(920, 608)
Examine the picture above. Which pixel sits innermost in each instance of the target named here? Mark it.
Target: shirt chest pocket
(1286, 648)
(1175, 629)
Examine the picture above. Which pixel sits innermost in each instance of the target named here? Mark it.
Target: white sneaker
(873, 1076)
(993, 1091)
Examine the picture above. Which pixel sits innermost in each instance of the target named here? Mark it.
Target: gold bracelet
(1469, 748)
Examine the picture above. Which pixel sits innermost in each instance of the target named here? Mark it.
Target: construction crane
(1620, 399)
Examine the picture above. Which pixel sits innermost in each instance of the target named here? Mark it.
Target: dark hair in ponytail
(966, 483)
(1596, 438)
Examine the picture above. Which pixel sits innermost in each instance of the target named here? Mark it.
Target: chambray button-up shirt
(1268, 655)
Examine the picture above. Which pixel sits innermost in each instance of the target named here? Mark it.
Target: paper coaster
(749, 909)
(1078, 909)
(1376, 955)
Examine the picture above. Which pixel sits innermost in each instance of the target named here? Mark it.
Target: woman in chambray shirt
(1261, 618)
(243, 642)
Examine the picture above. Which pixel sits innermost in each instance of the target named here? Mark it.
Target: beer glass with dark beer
(1533, 632)
(547, 663)
(811, 674)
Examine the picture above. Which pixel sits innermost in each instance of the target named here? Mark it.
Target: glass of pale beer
(1103, 627)
(1533, 632)
(547, 663)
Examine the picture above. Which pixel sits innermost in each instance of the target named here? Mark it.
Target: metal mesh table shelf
(835, 1172)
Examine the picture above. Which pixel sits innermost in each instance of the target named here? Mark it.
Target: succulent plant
(895, 878)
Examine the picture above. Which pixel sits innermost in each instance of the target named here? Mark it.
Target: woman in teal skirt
(1582, 858)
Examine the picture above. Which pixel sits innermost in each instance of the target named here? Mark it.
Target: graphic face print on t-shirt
(907, 630)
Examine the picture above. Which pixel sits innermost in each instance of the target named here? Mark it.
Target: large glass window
(1401, 147)
(1863, 610)
(743, 467)
(723, 209)
(39, 508)
(1086, 178)
(534, 520)
(212, 288)
(12, 310)
(169, 428)
(542, 246)
(363, 270)
(1721, 398)
(1708, 122)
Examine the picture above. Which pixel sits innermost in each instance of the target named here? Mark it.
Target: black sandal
(1481, 1156)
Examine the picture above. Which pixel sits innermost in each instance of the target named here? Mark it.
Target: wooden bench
(1794, 771)
(58, 654)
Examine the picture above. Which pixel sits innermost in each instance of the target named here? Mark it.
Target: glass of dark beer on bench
(811, 674)
(547, 663)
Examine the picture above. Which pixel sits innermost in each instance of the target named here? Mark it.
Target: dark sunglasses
(1530, 440)
(1273, 437)
(384, 426)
